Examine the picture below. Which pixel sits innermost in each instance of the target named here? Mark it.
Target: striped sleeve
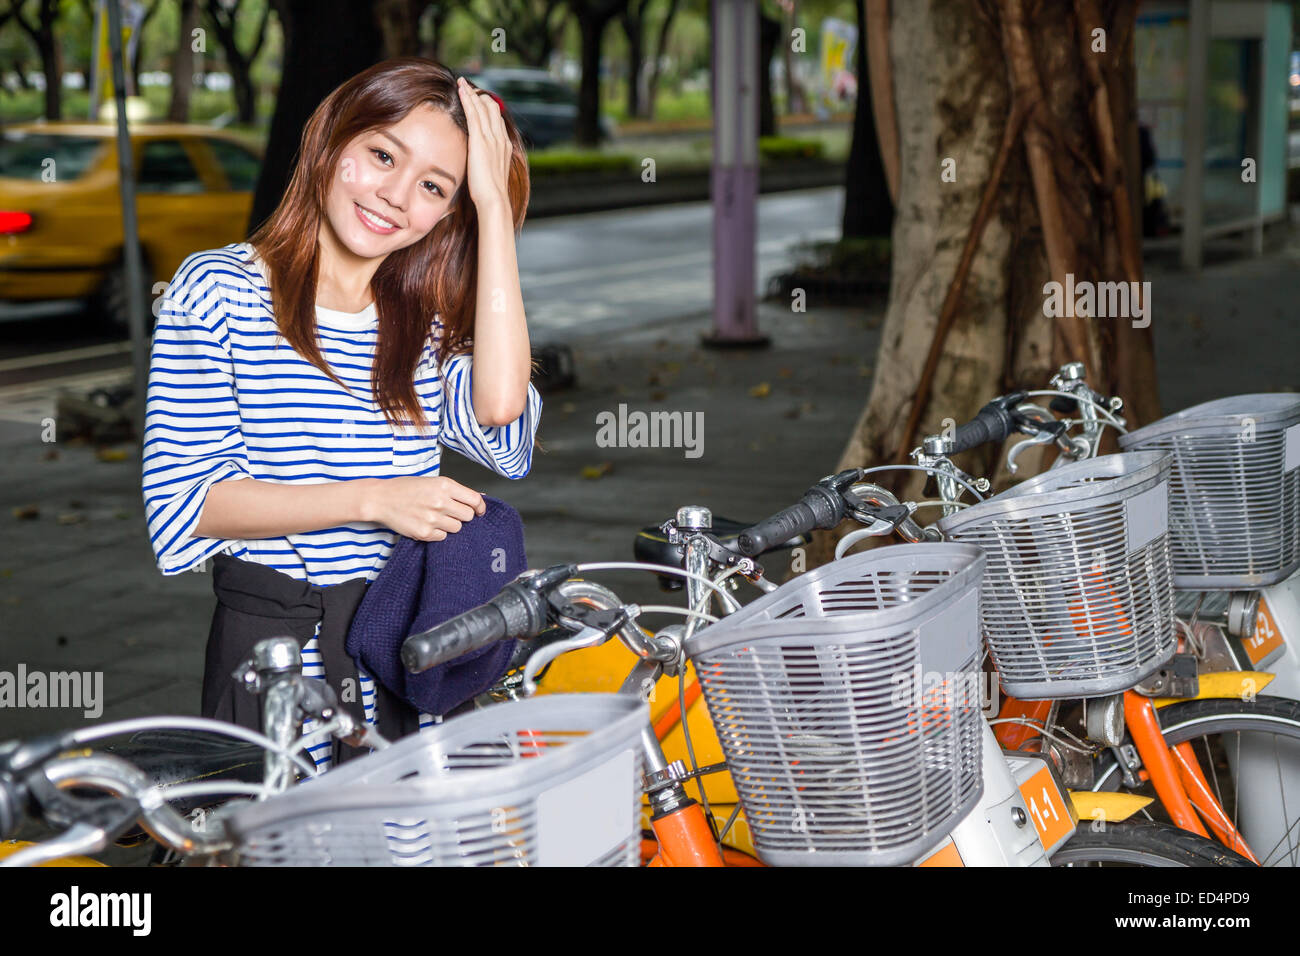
(192, 437)
(506, 449)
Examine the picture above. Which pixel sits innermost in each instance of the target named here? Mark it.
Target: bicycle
(1183, 781)
(700, 546)
(378, 807)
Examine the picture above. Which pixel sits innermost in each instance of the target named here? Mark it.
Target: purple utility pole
(734, 175)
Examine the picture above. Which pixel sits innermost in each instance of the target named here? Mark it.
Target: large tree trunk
(1006, 106)
(325, 43)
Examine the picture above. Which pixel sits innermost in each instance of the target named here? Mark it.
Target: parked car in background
(545, 109)
(61, 216)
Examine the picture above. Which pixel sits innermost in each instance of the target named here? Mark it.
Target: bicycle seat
(180, 756)
(652, 546)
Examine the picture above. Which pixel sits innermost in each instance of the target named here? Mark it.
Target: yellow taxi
(61, 216)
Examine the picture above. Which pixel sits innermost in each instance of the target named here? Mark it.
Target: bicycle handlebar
(519, 610)
(822, 506)
(992, 423)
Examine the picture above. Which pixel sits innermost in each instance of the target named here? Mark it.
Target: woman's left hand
(490, 149)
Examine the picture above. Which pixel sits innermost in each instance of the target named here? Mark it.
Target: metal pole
(130, 226)
(734, 174)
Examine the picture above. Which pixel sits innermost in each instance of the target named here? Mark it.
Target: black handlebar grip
(820, 508)
(782, 526)
(459, 635)
(991, 424)
(518, 611)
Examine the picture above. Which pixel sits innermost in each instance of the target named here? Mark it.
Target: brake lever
(586, 637)
(878, 519)
(1041, 429)
(1020, 447)
(92, 823)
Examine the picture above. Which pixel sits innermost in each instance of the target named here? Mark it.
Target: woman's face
(393, 185)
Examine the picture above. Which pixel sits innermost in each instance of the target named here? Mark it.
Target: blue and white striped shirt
(228, 398)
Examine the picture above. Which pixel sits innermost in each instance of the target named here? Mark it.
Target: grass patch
(563, 162)
(843, 257)
(789, 147)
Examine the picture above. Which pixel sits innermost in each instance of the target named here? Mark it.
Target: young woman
(302, 383)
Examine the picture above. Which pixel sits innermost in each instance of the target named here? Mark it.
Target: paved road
(603, 271)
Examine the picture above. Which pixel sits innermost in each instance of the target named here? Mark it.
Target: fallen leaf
(761, 390)
(27, 512)
(592, 472)
(658, 395)
(785, 371)
(111, 454)
(70, 517)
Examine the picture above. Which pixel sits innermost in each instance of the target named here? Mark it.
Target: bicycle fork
(680, 826)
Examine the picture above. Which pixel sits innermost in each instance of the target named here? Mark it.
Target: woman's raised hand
(488, 162)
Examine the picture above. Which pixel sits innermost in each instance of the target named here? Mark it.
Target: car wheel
(112, 303)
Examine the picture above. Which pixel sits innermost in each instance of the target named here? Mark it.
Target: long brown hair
(437, 274)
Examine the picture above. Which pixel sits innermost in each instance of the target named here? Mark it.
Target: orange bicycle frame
(1174, 772)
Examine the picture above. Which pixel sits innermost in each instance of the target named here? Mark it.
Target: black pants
(255, 602)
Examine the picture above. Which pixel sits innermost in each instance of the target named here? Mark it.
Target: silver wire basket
(548, 781)
(1234, 489)
(847, 705)
(1078, 596)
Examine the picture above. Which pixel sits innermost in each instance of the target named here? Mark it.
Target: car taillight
(12, 222)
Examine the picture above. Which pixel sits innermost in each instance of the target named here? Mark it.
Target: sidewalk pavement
(79, 589)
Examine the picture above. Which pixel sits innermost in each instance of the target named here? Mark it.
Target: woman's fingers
(474, 111)
(468, 496)
(473, 119)
(458, 511)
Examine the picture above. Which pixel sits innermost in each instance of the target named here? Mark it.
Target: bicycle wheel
(1143, 844)
(1256, 741)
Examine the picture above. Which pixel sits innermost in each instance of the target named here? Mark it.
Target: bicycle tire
(1196, 719)
(1144, 844)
